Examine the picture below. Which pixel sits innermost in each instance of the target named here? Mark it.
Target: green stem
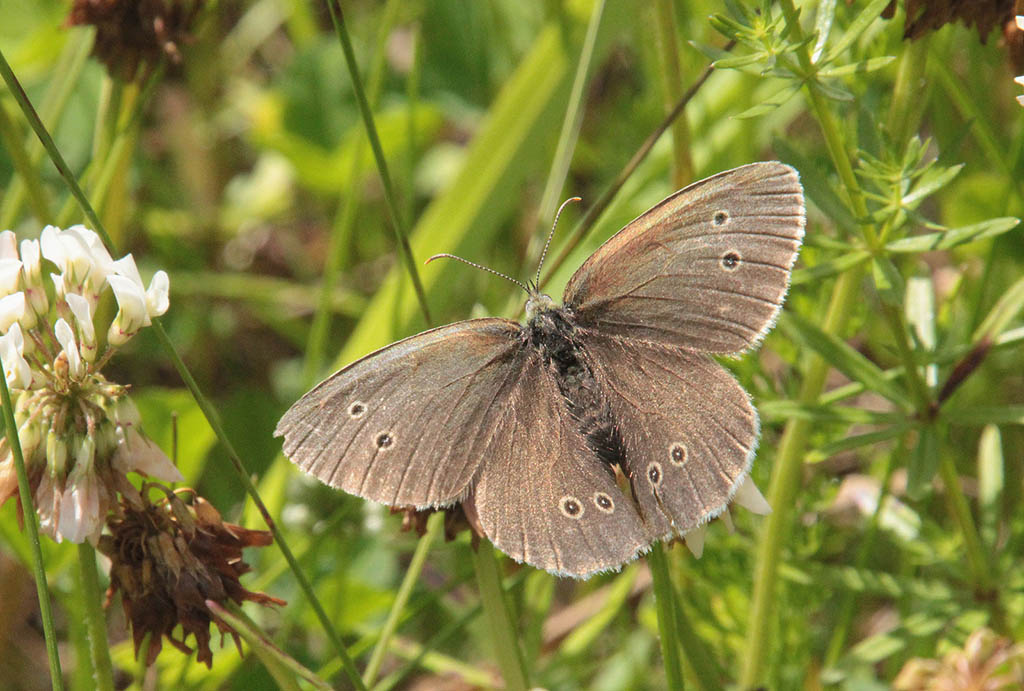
(698, 658)
(139, 677)
(846, 609)
(285, 669)
(664, 599)
(907, 102)
(567, 139)
(571, 122)
(95, 619)
(435, 524)
(496, 612)
(672, 83)
(341, 229)
(977, 558)
(31, 520)
(897, 325)
(785, 481)
(395, 217)
(594, 212)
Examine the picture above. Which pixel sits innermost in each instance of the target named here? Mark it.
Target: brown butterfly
(528, 422)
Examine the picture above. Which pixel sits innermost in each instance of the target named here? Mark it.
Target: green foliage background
(237, 180)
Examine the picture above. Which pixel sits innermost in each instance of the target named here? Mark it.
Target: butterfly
(527, 424)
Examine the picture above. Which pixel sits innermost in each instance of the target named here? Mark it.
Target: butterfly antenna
(479, 266)
(547, 244)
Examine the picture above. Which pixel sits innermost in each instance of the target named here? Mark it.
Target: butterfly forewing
(688, 429)
(707, 268)
(407, 425)
(544, 497)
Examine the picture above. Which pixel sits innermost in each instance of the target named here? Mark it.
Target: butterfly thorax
(553, 332)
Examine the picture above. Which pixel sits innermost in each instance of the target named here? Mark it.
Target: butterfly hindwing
(707, 268)
(406, 425)
(544, 497)
(688, 429)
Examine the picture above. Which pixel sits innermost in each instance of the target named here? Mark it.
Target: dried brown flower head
(167, 559)
(924, 16)
(130, 32)
(986, 663)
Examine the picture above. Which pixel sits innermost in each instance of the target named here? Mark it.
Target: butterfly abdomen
(554, 334)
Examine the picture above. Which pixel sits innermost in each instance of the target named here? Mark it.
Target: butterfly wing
(544, 497)
(707, 268)
(688, 429)
(407, 424)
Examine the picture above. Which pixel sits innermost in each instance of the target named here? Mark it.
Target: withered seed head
(132, 32)
(167, 559)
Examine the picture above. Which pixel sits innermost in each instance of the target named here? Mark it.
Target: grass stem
(95, 619)
(499, 617)
(664, 599)
(31, 521)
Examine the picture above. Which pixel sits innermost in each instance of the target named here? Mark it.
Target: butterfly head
(537, 303)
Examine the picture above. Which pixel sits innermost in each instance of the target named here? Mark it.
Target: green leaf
(784, 410)
(826, 15)
(834, 91)
(855, 442)
(933, 179)
(771, 103)
(1002, 313)
(869, 65)
(616, 594)
(843, 357)
(986, 415)
(860, 23)
(953, 237)
(991, 479)
(737, 61)
(829, 268)
(920, 312)
(728, 26)
(877, 648)
(712, 53)
(888, 281)
(924, 463)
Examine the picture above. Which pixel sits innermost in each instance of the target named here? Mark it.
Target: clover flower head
(79, 432)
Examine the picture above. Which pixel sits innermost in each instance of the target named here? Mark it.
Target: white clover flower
(12, 352)
(82, 311)
(10, 275)
(47, 499)
(8, 245)
(83, 260)
(139, 454)
(32, 270)
(66, 338)
(83, 505)
(136, 304)
(12, 309)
